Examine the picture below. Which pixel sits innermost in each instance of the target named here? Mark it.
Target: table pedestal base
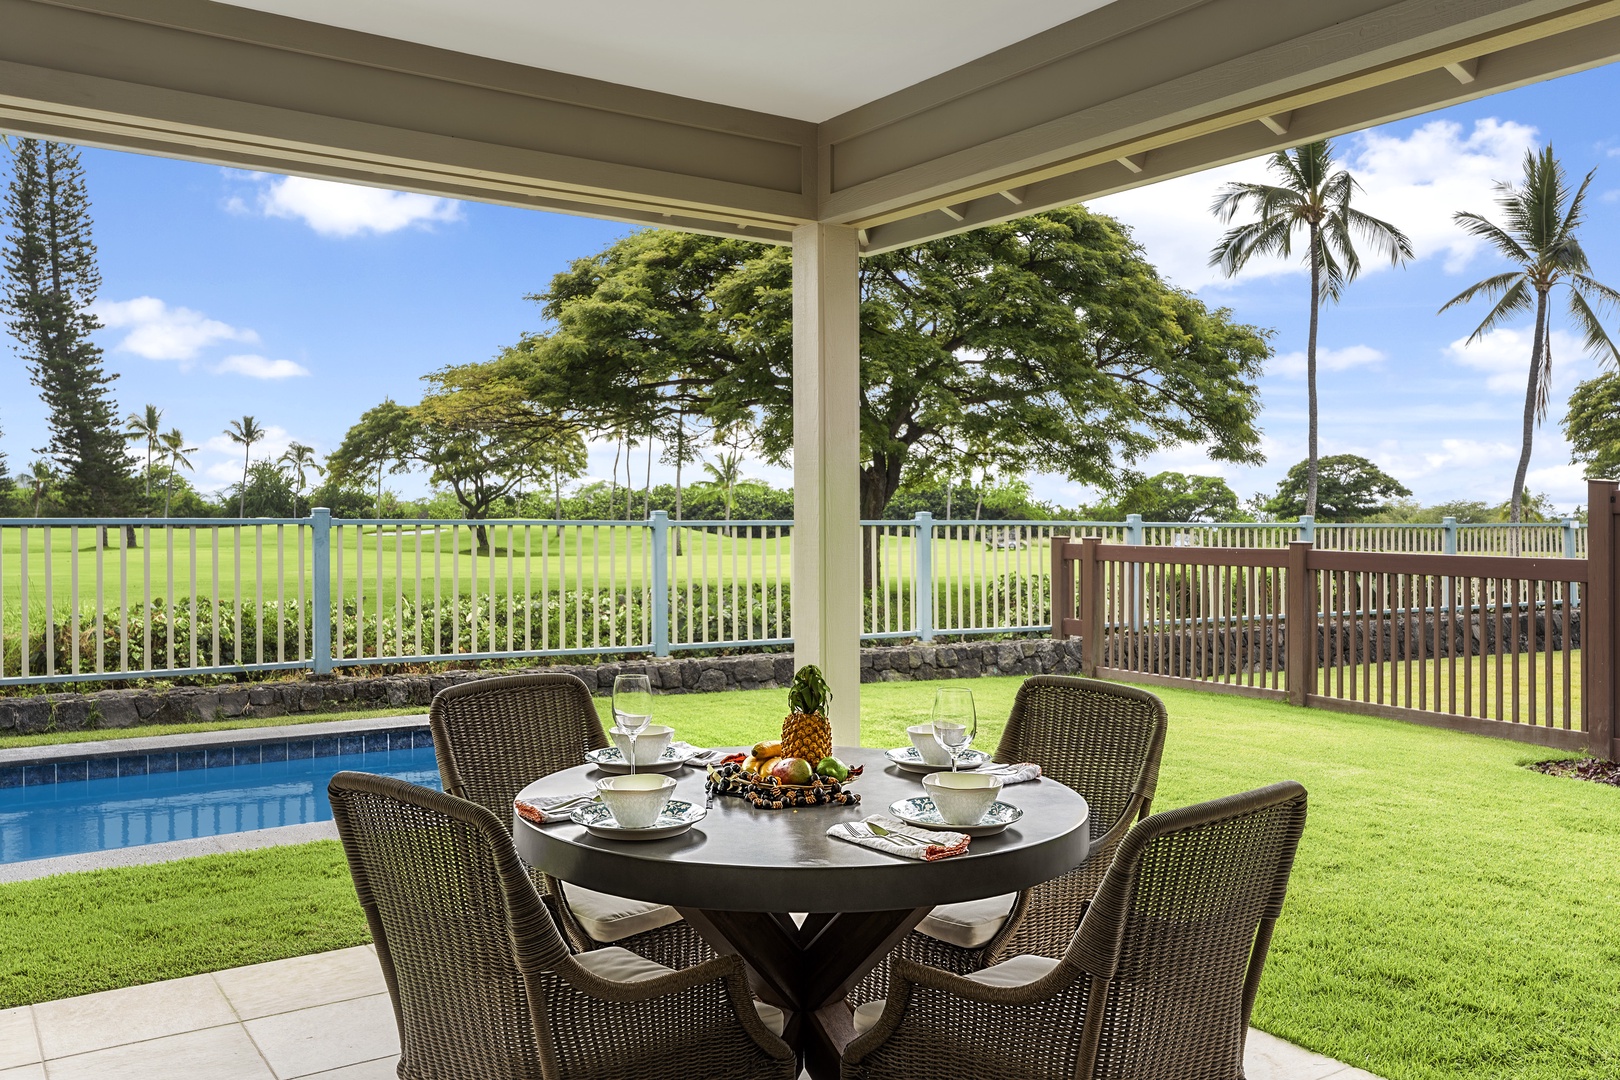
(808, 969)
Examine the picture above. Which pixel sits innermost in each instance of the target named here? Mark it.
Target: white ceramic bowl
(650, 744)
(922, 737)
(962, 797)
(636, 801)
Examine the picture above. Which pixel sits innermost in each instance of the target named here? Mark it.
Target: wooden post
(1300, 624)
(1091, 606)
(1062, 588)
(1600, 637)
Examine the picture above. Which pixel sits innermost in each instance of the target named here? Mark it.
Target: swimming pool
(67, 817)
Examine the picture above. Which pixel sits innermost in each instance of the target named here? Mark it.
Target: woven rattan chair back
(1104, 741)
(1182, 923)
(495, 736)
(451, 912)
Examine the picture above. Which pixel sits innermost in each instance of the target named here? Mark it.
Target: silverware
(859, 829)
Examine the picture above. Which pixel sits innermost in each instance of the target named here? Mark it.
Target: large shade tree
(1312, 196)
(1349, 488)
(1049, 341)
(1540, 218)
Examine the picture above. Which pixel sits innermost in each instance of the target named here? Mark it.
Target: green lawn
(1450, 914)
(142, 731)
(580, 559)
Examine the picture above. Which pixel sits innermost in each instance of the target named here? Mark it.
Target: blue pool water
(65, 818)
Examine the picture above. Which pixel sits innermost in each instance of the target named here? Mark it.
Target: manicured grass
(1449, 919)
(53, 738)
(79, 933)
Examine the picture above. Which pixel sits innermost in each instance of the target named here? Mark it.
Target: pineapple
(807, 733)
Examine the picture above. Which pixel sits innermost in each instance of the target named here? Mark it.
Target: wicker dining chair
(492, 738)
(483, 985)
(1159, 980)
(1105, 741)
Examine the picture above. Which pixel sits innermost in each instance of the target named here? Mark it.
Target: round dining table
(737, 874)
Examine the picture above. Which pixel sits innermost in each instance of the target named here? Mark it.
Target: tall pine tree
(48, 282)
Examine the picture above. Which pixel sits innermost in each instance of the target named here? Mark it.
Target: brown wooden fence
(1521, 647)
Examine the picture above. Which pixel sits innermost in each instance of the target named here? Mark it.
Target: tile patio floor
(324, 1016)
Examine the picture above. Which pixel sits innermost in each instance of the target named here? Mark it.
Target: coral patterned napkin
(545, 809)
(903, 840)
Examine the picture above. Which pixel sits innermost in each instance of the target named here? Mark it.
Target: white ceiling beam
(1016, 197)
(1128, 77)
(1464, 71)
(951, 212)
(1133, 162)
(1277, 123)
(1242, 139)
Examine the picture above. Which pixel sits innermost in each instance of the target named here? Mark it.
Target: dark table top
(739, 858)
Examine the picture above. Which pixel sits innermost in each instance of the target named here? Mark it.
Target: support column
(826, 466)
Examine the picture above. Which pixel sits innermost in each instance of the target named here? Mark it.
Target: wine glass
(632, 708)
(955, 721)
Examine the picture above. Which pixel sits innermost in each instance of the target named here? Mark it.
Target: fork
(877, 832)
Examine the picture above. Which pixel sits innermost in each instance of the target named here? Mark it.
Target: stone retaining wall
(126, 708)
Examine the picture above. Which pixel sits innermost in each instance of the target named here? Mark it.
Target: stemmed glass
(955, 721)
(632, 708)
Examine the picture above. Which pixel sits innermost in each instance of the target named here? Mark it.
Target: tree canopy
(1348, 488)
(1592, 425)
(1175, 496)
(1048, 341)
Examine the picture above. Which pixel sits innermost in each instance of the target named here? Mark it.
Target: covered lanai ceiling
(904, 118)
(804, 61)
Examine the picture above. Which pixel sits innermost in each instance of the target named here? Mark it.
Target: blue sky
(304, 302)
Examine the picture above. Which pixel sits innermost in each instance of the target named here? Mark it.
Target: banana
(768, 749)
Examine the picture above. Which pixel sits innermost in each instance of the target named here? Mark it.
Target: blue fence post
(1134, 535)
(1569, 537)
(660, 583)
(320, 532)
(1449, 542)
(1307, 528)
(922, 587)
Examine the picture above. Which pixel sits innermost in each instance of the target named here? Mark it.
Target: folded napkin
(1012, 774)
(699, 755)
(544, 809)
(904, 840)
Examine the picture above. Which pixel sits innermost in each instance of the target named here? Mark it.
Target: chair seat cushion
(605, 917)
(622, 965)
(1015, 972)
(970, 925)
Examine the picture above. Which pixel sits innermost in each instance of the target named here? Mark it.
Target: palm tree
(1538, 235)
(40, 477)
(299, 459)
(144, 427)
(245, 432)
(174, 456)
(726, 469)
(1314, 195)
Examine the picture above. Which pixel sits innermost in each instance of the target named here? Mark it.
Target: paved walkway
(324, 1016)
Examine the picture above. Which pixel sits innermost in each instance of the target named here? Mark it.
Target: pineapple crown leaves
(809, 692)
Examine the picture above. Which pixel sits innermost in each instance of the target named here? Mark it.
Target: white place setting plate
(921, 811)
(676, 818)
(909, 759)
(611, 760)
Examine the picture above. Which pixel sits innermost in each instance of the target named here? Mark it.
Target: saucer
(611, 760)
(910, 760)
(921, 811)
(676, 818)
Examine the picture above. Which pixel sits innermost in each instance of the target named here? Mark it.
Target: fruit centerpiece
(799, 768)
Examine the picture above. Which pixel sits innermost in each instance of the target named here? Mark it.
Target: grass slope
(1449, 915)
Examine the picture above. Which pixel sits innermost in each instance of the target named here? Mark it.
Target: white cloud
(347, 210)
(1351, 356)
(1416, 183)
(160, 332)
(260, 367)
(223, 463)
(1504, 356)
